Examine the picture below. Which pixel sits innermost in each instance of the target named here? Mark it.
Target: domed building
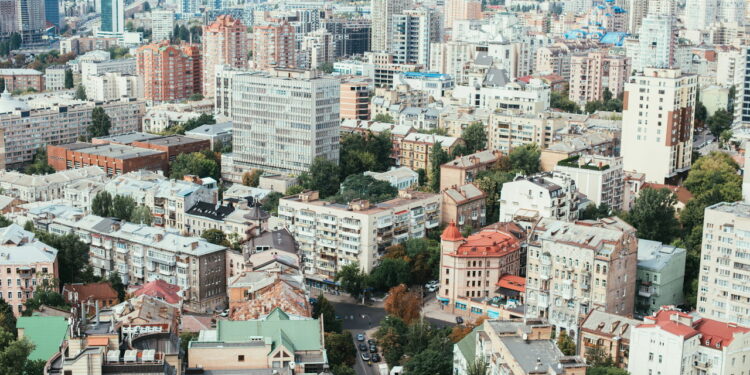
(9, 104)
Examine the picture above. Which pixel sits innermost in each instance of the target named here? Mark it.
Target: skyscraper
(412, 33)
(656, 41)
(7, 16)
(52, 12)
(382, 12)
(113, 17)
(225, 42)
(742, 103)
(30, 20)
(274, 45)
(162, 24)
(657, 123)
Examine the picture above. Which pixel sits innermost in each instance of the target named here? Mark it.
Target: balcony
(434, 223)
(647, 292)
(166, 272)
(702, 364)
(567, 290)
(543, 300)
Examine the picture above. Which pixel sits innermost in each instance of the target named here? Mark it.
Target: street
(704, 142)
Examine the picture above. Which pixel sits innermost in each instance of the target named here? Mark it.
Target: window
(650, 356)
(240, 358)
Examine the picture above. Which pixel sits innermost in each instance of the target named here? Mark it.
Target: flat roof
(118, 151)
(173, 140)
(129, 138)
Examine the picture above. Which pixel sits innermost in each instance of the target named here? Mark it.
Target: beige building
(274, 46)
(354, 97)
(464, 169)
(593, 72)
(600, 178)
(509, 129)
(573, 268)
(608, 332)
(585, 144)
(415, 149)
(225, 42)
(464, 205)
(462, 10)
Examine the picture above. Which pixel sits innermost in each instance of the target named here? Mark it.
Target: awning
(441, 299)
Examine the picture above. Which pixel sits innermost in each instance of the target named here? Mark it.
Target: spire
(451, 233)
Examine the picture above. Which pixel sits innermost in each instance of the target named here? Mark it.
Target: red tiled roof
(91, 291)
(160, 289)
(512, 282)
(714, 332)
(488, 243)
(451, 233)
(683, 195)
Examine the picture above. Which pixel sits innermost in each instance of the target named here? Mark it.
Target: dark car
(362, 347)
(373, 349)
(365, 356)
(371, 342)
(459, 320)
(375, 357)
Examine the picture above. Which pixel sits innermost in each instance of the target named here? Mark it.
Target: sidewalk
(432, 310)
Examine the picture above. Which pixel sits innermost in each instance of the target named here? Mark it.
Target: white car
(432, 288)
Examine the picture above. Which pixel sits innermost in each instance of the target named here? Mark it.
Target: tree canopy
(438, 157)
(389, 273)
(365, 152)
(562, 102)
(100, 123)
(359, 186)
(203, 119)
(403, 303)
(324, 308)
(39, 165)
(475, 137)
(323, 177)
(101, 205)
(720, 121)
(352, 279)
(526, 158)
(201, 164)
(653, 215)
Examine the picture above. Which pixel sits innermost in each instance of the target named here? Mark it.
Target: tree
(429, 361)
(69, 79)
(323, 177)
(352, 279)
(365, 152)
(701, 113)
(325, 309)
(391, 337)
(605, 371)
(34, 367)
(72, 256)
(80, 93)
(721, 120)
(271, 203)
(2, 85)
(100, 123)
(491, 183)
(438, 157)
(116, 282)
(146, 7)
(383, 117)
(252, 178)
(403, 303)
(565, 343)
(594, 212)
(4, 221)
(215, 236)
(185, 338)
(560, 101)
(343, 370)
(478, 367)
(122, 207)
(526, 158)
(101, 205)
(44, 296)
(141, 215)
(7, 318)
(326, 67)
(390, 273)
(653, 215)
(365, 187)
(13, 353)
(459, 331)
(39, 165)
(195, 97)
(203, 119)
(475, 137)
(196, 163)
(340, 348)
(598, 357)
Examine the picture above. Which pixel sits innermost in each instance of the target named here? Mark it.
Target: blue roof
(575, 34)
(615, 38)
(424, 75)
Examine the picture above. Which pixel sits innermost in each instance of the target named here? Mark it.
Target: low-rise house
(35, 188)
(92, 295)
(158, 289)
(401, 178)
(465, 206)
(415, 149)
(660, 277)
(145, 313)
(551, 195)
(607, 332)
(276, 341)
(464, 169)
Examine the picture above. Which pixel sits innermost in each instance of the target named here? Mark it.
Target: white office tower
(700, 14)
(662, 7)
(742, 100)
(162, 24)
(637, 11)
(657, 123)
(656, 43)
(382, 12)
(113, 18)
(283, 119)
(413, 31)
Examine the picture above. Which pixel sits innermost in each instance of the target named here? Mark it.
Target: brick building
(113, 158)
(174, 145)
(464, 169)
(274, 46)
(170, 72)
(225, 42)
(354, 99)
(22, 79)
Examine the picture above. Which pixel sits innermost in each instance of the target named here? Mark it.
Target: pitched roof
(488, 243)
(304, 333)
(464, 193)
(683, 195)
(512, 282)
(609, 324)
(93, 291)
(161, 290)
(468, 344)
(451, 233)
(45, 332)
(716, 334)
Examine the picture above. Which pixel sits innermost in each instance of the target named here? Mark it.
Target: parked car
(360, 337)
(459, 320)
(432, 288)
(373, 349)
(224, 313)
(376, 357)
(371, 342)
(365, 356)
(362, 347)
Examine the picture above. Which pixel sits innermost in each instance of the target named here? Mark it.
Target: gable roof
(161, 290)
(304, 333)
(93, 291)
(45, 332)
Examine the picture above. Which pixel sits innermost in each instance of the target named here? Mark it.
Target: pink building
(593, 72)
(274, 46)
(22, 79)
(225, 42)
(25, 263)
(170, 72)
(462, 10)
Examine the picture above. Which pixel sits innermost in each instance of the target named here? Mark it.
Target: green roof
(468, 346)
(45, 332)
(295, 335)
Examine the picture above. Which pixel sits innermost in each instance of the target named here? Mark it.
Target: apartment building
(22, 79)
(97, 67)
(660, 276)
(140, 253)
(723, 293)
(415, 149)
(412, 33)
(508, 129)
(225, 42)
(464, 205)
(593, 143)
(317, 48)
(464, 169)
(600, 178)
(657, 132)
(274, 128)
(234, 218)
(40, 188)
(671, 342)
(594, 72)
(382, 12)
(274, 46)
(401, 178)
(332, 235)
(162, 24)
(170, 72)
(111, 86)
(493, 89)
(573, 268)
(48, 120)
(54, 78)
(462, 10)
(657, 42)
(454, 119)
(354, 99)
(607, 332)
(25, 262)
(552, 196)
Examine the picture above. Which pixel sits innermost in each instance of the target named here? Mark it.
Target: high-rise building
(413, 32)
(162, 24)
(657, 131)
(7, 16)
(742, 102)
(30, 20)
(355, 100)
(284, 119)
(462, 10)
(657, 42)
(113, 17)
(723, 291)
(702, 14)
(274, 46)
(225, 42)
(52, 12)
(317, 48)
(594, 72)
(382, 12)
(170, 72)
(637, 11)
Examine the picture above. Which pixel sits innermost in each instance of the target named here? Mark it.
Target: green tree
(438, 157)
(271, 204)
(68, 79)
(44, 296)
(4, 221)
(115, 281)
(326, 68)
(526, 158)
(389, 273)
(294, 190)
(365, 152)
(196, 163)
(560, 101)
(594, 212)
(701, 113)
(565, 343)
(195, 97)
(721, 120)
(185, 338)
(325, 309)
(72, 256)
(101, 205)
(13, 353)
(253, 177)
(39, 165)
(365, 187)
(598, 357)
(2, 85)
(653, 215)
(352, 279)
(146, 7)
(478, 367)
(323, 177)
(429, 362)
(215, 236)
(491, 183)
(343, 370)
(391, 336)
(7, 318)
(141, 215)
(80, 93)
(383, 117)
(475, 137)
(605, 371)
(100, 123)
(34, 367)
(340, 348)
(122, 207)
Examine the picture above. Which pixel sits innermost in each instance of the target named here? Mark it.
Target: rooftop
(609, 324)
(112, 150)
(127, 138)
(45, 332)
(172, 140)
(20, 72)
(20, 247)
(740, 209)
(431, 139)
(464, 193)
(488, 243)
(595, 235)
(654, 255)
(94, 291)
(475, 159)
(159, 289)
(210, 130)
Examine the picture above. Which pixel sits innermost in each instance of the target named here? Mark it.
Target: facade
(113, 17)
(30, 20)
(113, 86)
(726, 227)
(508, 129)
(22, 79)
(275, 341)
(600, 178)
(742, 108)
(415, 149)
(174, 145)
(268, 104)
(170, 72)
(7, 16)
(462, 10)
(381, 13)
(671, 342)
(114, 159)
(465, 206)
(162, 24)
(317, 48)
(552, 196)
(274, 46)
(573, 268)
(354, 100)
(401, 178)
(216, 134)
(660, 277)
(140, 253)
(657, 132)
(235, 219)
(594, 72)
(656, 43)
(54, 78)
(332, 235)
(412, 33)
(27, 262)
(607, 332)
(225, 42)
(39, 188)
(464, 169)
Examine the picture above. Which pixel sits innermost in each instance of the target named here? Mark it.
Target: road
(704, 142)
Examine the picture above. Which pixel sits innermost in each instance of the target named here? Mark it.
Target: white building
(54, 78)
(401, 178)
(93, 68)
(657, 131)
(494, 90)
(381, 13)
(657, 42)
(600, 178)
(36, 188)
(413, 32)
(112, 86)
(671, 342)
(552, 196)
(435, 85)
(162, 24)
(317, 48)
